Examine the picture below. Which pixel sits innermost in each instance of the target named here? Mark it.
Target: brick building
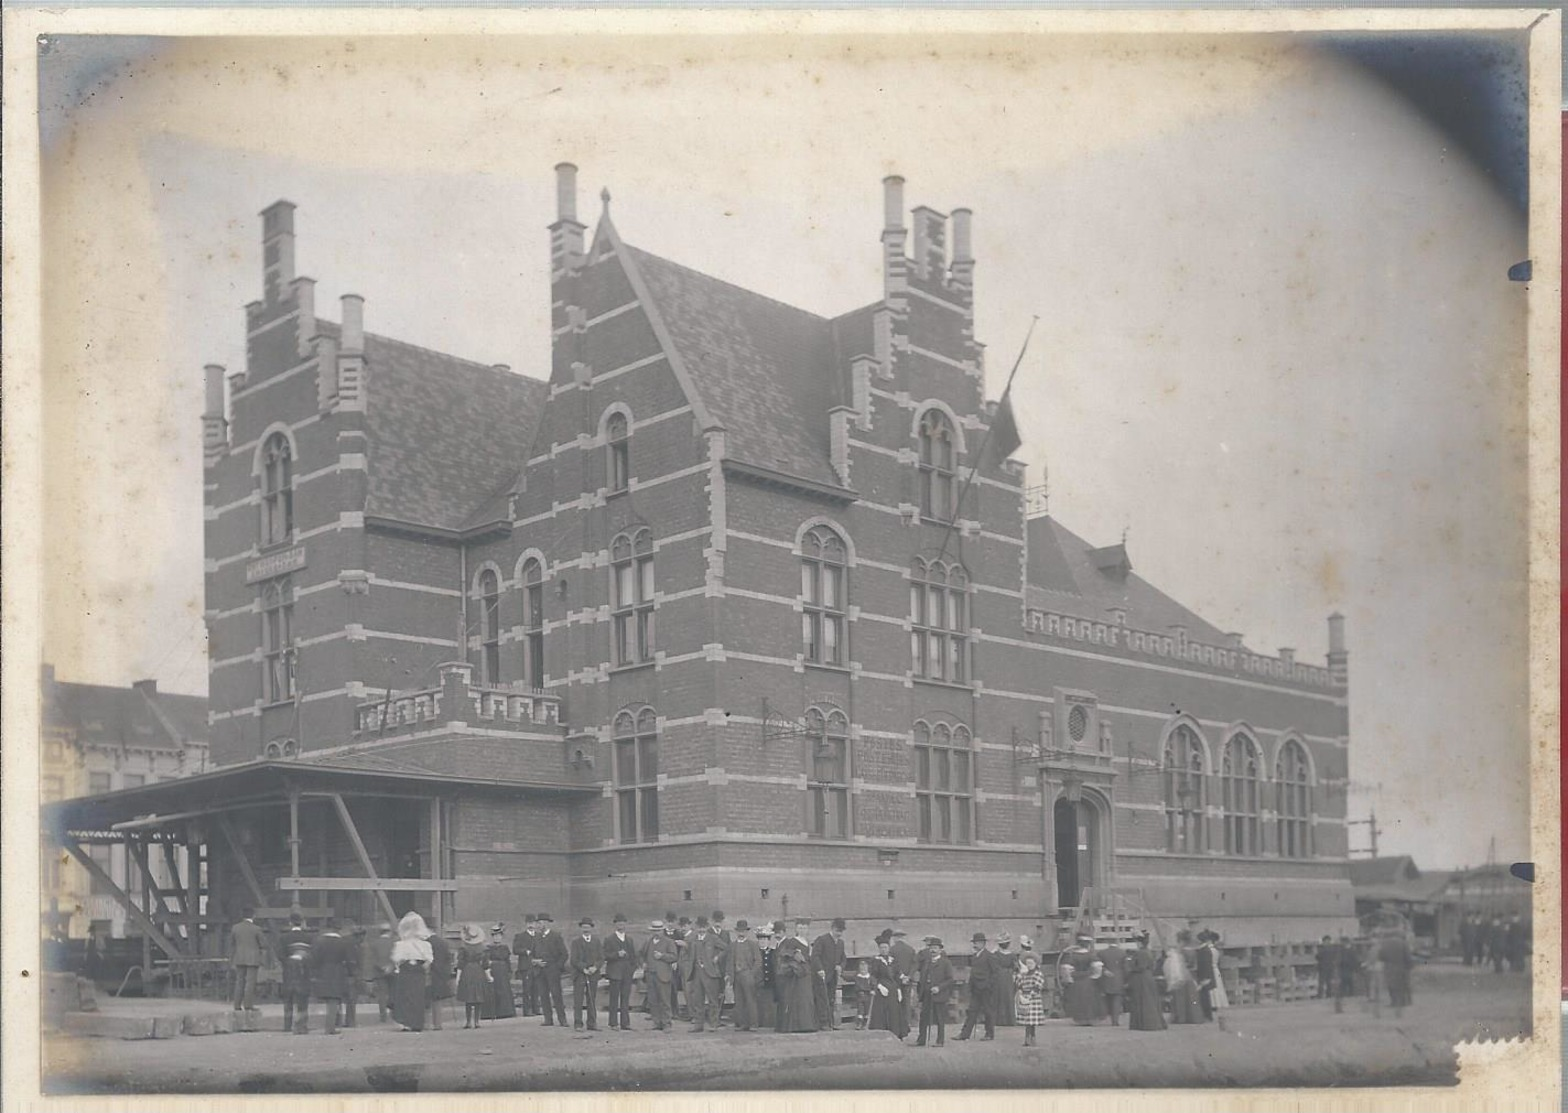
(714, 616)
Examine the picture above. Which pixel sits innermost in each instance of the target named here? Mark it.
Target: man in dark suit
(442, 977)
(746, 971)
(294, 952)
(524, 944)
(1328, 966)
(703, 965)
(935, 989)
(721, 929)
(982, 984)
(331, 959)
(247, 944)
(587, 963)
(1113, 979)
(828, 950)
(620, 962)
(659, 958)
(549, 961)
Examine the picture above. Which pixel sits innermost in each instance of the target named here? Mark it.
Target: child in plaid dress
(1030, 998)
(863, 991)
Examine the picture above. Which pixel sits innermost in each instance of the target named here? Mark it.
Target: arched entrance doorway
(1077, 849)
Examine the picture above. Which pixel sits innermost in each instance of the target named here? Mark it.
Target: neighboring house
(97, 740)
(710, 614)
(1435, 901)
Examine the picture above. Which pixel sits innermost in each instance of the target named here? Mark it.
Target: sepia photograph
(863, 555)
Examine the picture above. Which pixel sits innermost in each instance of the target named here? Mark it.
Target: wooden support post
(97, 873)
(437, 853)
(152, 896)
(294, 839)
(241, 860)
(193, 913)
(359, 850)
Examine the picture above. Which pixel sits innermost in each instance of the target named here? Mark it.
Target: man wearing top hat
(935, 989)
(745, 962)
(549, 961)
(982, 986)
(659, 959)
(828, 950)
(587, 963)
(524, 944)
(620, 962)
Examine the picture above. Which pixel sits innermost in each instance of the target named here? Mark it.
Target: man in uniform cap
(620, 961)
(982, 985)
(549, 961)
(587, 962)
(659, 958)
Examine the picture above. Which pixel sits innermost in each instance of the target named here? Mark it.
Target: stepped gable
(448, 437)
(767, 372)
(1070, 576)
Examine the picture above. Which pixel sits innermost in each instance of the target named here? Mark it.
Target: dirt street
(1301, 1044)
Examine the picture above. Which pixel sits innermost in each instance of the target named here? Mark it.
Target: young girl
(863, 993)
(1029, 1002)
(473, 963)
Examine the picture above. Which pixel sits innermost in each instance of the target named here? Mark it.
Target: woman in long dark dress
(473, 972)
(796, 973)
(1082, 997)
(1143, 995)
(886, 1000)
(411, 961)
(499, 1003)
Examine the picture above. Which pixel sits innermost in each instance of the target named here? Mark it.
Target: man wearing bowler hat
(936, 987)
(982, 983)
(587, 963)
(620, 960)
(746, 972)
(828, 950)
(549, 961)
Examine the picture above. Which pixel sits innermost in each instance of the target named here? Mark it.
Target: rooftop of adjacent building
(138, 716)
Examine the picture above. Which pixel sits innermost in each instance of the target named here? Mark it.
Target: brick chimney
(930, 243)
(963, 266)
(895, 266)
(1338, 655)
(148, 688)
(566, 234)
(277, 250)
(351, 353)
(214, 420)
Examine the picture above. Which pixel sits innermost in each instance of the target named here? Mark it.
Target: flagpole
(980, 452)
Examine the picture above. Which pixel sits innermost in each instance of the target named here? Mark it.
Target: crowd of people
(1367, 968)
(1495, 940)
(778, 977)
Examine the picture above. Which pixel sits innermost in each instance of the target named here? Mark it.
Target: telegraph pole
(1373, 829)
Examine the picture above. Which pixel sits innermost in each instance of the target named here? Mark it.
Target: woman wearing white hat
(411, 960)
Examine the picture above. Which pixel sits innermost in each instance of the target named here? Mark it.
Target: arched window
(944, 783)
(619, 446)
(1239, 786)
(636, 772)
(939, 614)
(489, 628)
(1293, 801)
(277, 491)
(827, 774)
(1186, 793)
(533, 624)
(277, 641)
(937, 487)
(631, 590)
(823, 594)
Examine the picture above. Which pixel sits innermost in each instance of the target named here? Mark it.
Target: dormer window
(277, 491)
(937, 486)
(619, 446)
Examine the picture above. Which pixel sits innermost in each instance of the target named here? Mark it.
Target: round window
(1078, 723)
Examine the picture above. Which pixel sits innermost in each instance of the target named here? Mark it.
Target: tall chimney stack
(1338, 655)
(893, 203)
(350, 354)
(566, 234)
(277, 249)
(214, 421)
(895, 266)
(352, 336)
(930, 243)
(963, 266)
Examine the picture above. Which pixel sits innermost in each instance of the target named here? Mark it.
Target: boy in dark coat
(331, 959)
(935, 989)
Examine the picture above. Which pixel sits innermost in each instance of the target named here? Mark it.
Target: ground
(1299, 1044)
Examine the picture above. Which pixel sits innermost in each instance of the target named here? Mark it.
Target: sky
(1276, 344)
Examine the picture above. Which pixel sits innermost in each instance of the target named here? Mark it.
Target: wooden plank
(368, 884)
(241, 859)
(141, 919)
(364, 856)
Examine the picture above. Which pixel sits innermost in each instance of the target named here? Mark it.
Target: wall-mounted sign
(275, 564)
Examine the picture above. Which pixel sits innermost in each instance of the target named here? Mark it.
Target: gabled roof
(98, 715)
(448, 436)
(767, 372)
(1070, 576)
(1383, 871)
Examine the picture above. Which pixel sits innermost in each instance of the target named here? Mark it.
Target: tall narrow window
(944, 783)
(937, 487)
(636, 772)
(277, 641)
(490, 628)
(277, 491)
(823, 587)
(1293, 801)
(631, 564)
(1239, 775)
(533, 624)
(618, 440)
(827, 773)
(1185, 792)
(939, 614)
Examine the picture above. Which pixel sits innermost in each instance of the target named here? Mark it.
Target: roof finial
(604, 195)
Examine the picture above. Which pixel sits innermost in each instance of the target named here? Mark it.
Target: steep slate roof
(448, 437)
(767, 372)
(1383, 871)
(102, 716)
(1063, 577)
